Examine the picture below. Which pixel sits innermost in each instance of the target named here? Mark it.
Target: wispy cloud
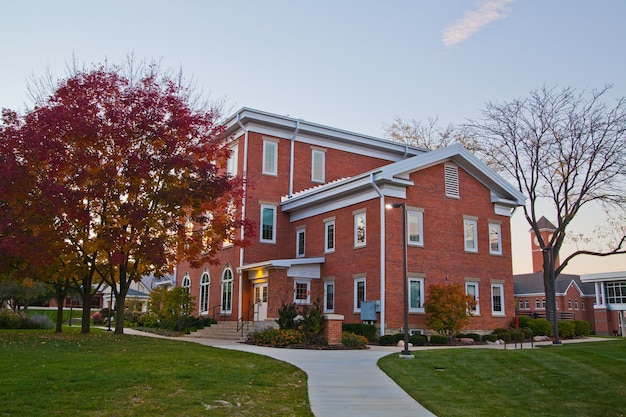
(486, 12)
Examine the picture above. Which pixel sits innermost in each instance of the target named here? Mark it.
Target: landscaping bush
(523, 321)
(97, 318)
(567, 329)
(582, 328)
(474, 336)
(41, 321)
(367, 330)
(490, 337)
(506, 336)
(276, 337)
(354, 341)
(390, 339)
(418, 340)
(438, 340)
(12, 320)
(286, 316)
(541, 327)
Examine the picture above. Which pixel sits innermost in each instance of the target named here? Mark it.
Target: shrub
(490, 337)
(97, 318)
(367, 330)
(582, 328)
(474, 336)
(506, 336)
(523, 321)
(567, 329)
(417, 340)
(287, 314)
(390, 339)
(149, 320)
(438, 340)
(11, 320)
(263, 337)
(541, 327)
(276, 337)
(41, 321)
(352, 340)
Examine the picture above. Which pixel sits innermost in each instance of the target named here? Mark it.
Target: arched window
(227, 290)
(186, 281)
(204, 292)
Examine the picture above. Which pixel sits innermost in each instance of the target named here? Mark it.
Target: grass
(577, 379)
(103, 374)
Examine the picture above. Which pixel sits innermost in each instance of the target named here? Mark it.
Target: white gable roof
(392, 181)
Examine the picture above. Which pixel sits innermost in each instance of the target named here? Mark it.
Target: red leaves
(115, 165)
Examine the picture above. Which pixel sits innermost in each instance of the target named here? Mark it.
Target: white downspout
(382, 254)
(243, 212)
(291, 158)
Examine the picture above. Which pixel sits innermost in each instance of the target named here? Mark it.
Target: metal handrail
(244, 321)
(212, 314)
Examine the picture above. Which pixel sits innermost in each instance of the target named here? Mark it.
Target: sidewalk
(340, 382)
(348, 382)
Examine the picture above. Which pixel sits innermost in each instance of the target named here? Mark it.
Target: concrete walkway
(340, 382)
(346, 382)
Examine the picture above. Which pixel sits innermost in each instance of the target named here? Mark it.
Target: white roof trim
(281, 263)
(605, 276)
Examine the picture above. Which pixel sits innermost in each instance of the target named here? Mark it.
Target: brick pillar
(602, 318)
(332, 329)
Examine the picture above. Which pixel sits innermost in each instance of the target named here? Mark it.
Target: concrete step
(225, 330)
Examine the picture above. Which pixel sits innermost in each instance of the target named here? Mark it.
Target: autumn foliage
(107, 173)
(447, 308)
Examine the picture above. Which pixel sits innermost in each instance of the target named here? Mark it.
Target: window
(416, 295)
(233, 159)
(451, 174)
(359, 229)
(270, 157)
(318, 165)
(575, 304)
(495, 239)
(536, 304)
(521, 304)
(615, 292)
(268, 223)
(302, 291)
(300, 240)
(329, 236)
(527, 305)
(186, 281)
(543, 304)
(204, 292)
(359, 293)
(329, 296)
(569, 304)
(415, 228)
(471, 289)
(470, 227)
(497, 299)
(227, 291)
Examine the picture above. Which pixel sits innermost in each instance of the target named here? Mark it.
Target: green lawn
(102, 374)
(577, 379)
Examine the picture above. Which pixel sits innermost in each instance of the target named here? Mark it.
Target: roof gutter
(382, 253)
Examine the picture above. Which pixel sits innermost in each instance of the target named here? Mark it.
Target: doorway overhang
(298, 267)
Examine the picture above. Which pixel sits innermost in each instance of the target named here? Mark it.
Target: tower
(546, 229)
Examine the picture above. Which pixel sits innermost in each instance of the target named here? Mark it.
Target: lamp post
(406, 353)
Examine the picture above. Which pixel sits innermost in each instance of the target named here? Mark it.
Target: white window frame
(270, 157)
(300, 243)
(414, 215)
(186, 282)
(301, 301)
(497, 228)
(327, 224)
(476, 295)
(227, 290)
(318, 166)
(495, 312)
(273, 237)
(327, 308)
(420, 308)
(360, 225)
(470, 224)
(233, 160)
(203, 292)
(357, 282)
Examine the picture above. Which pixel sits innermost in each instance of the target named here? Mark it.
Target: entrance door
(260, 300)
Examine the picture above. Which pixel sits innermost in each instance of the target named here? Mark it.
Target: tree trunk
(120, 301)
(549, 283)
(85, 326)
(61, 292)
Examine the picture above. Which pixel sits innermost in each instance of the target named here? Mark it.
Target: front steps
(227, 330)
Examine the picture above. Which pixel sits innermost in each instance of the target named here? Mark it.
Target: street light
(406, 353)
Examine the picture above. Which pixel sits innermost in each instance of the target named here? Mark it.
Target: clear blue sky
(353, 64)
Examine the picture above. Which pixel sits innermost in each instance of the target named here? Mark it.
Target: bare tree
(429, 134)
(565, 150)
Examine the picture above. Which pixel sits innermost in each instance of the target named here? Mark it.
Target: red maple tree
(118, 166)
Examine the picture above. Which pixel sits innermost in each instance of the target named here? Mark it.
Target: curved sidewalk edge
(340, 382)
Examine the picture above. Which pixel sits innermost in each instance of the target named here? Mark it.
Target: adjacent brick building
(319, 197)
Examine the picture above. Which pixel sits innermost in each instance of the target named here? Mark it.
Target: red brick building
(319, 197)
